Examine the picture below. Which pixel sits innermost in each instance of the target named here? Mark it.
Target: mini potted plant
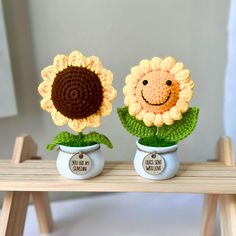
(157, 95)
(78, 91)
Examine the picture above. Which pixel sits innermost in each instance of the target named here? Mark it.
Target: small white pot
(80, 162)
(156, 163)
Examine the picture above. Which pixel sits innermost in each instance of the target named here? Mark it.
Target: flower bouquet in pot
(78, 91)
(157, 95)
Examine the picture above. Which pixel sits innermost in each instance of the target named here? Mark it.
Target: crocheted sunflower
(157, 93)
(77, 90)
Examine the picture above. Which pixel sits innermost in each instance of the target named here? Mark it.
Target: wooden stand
(15, 203)
(227, 202)
(24, 176)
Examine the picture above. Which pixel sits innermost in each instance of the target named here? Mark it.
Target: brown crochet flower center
(77, 92)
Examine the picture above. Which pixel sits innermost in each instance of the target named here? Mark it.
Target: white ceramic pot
(80, 162)
(156, 163)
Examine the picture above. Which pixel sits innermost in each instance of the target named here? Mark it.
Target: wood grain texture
(209, 215)
(15, 203)
(13, 213)
(42, 175)
(43, 210)
(227, 202)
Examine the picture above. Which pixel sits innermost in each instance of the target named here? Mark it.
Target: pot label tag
(153, 163)
(80, 163)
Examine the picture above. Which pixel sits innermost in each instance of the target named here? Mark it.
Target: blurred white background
(121, 33)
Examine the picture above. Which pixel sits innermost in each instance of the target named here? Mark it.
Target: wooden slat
(40, 175)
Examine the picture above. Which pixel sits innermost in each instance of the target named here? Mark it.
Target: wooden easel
(16, 202)
(227, 202)
(24, 176)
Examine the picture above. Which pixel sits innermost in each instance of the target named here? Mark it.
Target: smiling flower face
(158, 91)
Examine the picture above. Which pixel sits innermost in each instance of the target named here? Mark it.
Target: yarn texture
(77, 91)
(80, 140)
(160, 136)
(158, 91)
(157, 95)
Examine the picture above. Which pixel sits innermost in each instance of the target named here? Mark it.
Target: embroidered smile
(156, 104)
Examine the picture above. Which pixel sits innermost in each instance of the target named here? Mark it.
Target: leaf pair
(167, 133)
(80, 140)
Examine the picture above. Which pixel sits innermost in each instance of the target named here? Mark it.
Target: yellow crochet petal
(182, 105)
(47, 104)
(156, 63)
(94, 64)
(175, 114)
(58, 118)
(145, 66)
(106, 77)
(189, 84)
(48, 74)
(94, 120)
(60, 63)
(134, 109)
(126, 89)
(158, 120)
(130, 80)
(109, 92)
(183, 75)
(177, 68)
(106, 107)
(77, 125)
(167, 119)
(168, 63)
(136, 72)
(148, 119)
(45, 89)
(129, 99)
(76, 58)
(186, 95)
(140, 115)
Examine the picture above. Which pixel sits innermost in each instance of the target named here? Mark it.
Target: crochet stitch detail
(134, 126)
(80, 140)
(167, 133)
(158, 91)
(77, 92)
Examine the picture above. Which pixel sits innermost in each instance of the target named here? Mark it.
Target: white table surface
(124, 214)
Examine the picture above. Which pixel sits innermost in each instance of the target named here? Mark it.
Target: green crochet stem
(80, 140)
(166, 135)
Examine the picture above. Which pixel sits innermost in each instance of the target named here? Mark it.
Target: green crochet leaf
(154, 141)
(80, 140)
(68, 139)
(134, 126)
(97, 138)
(180, 129)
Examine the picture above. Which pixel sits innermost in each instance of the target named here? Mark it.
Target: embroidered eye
(168, 82)
(145, 82)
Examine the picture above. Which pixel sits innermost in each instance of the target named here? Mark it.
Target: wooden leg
(209, 215)
(15, 203)
(228, 215)
(43, 210)
(227, 202)
(13, 213)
